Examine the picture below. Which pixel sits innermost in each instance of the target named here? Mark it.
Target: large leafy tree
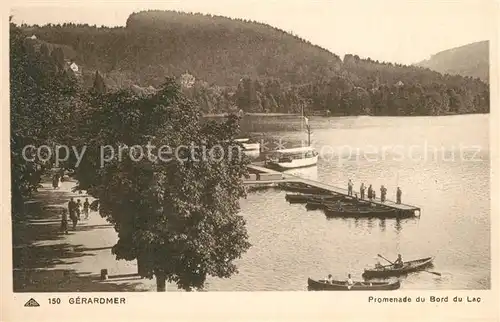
(42, 98)
(178, 215)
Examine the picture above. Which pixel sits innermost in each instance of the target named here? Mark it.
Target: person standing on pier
(349, 188)
(383, 192)
(370, 192)
(398, 195)
(362, 191)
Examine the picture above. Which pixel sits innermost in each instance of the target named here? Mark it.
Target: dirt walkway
(46, 260)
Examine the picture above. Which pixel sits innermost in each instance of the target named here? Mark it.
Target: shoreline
(339, 116)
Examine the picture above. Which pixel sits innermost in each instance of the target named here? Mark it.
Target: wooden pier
(285, 178)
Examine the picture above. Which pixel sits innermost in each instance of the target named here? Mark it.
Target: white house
(74, 67)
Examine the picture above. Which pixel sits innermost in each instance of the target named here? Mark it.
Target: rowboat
(323, 285)
(391, 270)
(292, 197)
(332, 201)
(249, 144)
(301, 188)
(325, 203)
(313, 205)
(360, 212)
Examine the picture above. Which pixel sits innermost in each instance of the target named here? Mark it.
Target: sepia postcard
(250, 160)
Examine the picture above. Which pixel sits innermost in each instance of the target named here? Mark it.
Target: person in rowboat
(378, 265)
(349, 281)
(398, 263)
(329, 279)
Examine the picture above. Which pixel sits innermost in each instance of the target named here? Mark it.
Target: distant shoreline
(252, 114)
(337, 116)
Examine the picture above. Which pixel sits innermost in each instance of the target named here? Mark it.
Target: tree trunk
(139, 266)
(160, 282)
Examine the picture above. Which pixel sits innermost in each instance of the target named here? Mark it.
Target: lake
(442, 165)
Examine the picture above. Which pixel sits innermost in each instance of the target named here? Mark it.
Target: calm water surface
(440, 163)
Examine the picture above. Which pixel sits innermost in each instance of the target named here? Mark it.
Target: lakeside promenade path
(46, 260)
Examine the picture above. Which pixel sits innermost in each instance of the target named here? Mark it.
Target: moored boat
(391, 270)
(293, 158)
(323, 285)
(249, 144)
(303, 198)
(325, 203)
(302, 188)
(361, 212)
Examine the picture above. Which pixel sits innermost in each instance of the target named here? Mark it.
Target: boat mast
(302, 119)
(308, 128)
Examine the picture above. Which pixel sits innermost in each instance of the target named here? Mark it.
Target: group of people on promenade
(75, 210)
(371, 192)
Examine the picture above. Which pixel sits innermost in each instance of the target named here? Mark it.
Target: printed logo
(31, 303)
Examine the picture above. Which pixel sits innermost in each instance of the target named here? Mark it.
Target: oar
(435, 273)
(385, 258)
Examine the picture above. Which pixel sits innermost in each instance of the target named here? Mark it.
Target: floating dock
(271, 177)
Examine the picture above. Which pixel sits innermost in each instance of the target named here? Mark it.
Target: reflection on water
(382, 225)
(290, 244)
(370, 223)
(397, 225)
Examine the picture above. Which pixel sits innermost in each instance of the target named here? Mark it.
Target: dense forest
(231, 64)
(160, 216)
(469, 60)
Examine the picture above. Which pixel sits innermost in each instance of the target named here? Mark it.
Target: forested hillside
(230, 64)
(469, 60)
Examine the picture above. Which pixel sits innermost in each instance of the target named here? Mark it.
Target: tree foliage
(42, 95)
(178, 216)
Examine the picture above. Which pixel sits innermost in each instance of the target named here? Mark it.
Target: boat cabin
(287, 155)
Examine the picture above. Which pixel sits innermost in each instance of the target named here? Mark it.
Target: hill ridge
(470, 60)
(236, 64)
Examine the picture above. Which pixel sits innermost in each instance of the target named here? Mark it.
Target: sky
(399, 31)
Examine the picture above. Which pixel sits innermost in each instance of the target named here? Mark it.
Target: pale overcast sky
(391, 30)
